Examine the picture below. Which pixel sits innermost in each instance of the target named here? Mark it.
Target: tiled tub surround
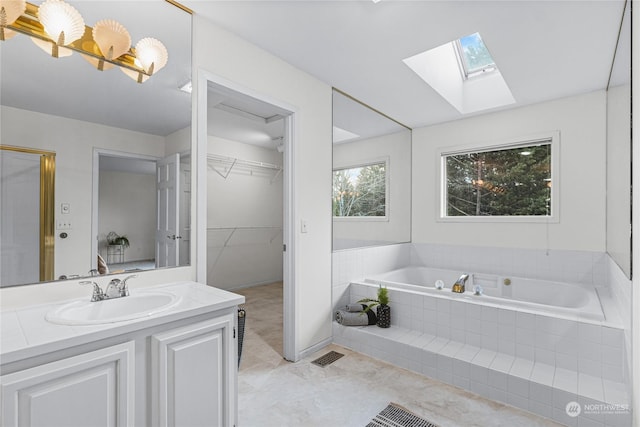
(579, 267)
(530, 360)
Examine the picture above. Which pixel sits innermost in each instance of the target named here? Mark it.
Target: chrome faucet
(115, 289)
(458, 287)
(118, 288)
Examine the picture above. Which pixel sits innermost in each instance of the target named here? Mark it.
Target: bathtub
(533, 295)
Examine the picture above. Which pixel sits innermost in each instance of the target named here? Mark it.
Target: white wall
(127, 206)
(178, 142)
(74, 142)
(581, 121)
(619, 176)
(247, 198)
(229, 57)
(396, 148)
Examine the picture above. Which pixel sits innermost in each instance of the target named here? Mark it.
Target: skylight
(464, 74)
(474, 55)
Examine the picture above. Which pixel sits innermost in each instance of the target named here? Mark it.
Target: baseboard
(316, 347)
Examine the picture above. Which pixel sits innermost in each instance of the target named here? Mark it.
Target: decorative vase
(384, 316)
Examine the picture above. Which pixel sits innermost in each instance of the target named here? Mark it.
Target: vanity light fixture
(58, 29)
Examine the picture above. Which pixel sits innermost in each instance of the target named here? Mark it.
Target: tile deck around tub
(537, 387)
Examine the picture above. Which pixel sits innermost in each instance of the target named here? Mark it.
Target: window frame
(553, 138)
(365, 163)
(464, 66)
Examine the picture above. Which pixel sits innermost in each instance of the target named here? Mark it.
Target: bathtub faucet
(458, 287)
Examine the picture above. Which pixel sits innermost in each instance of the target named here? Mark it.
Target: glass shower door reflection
(26, 240)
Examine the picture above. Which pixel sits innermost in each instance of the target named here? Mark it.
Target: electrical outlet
(63, 224)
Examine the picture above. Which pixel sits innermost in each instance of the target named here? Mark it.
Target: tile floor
(349, 392)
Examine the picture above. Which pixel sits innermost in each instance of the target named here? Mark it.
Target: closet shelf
(216, 161)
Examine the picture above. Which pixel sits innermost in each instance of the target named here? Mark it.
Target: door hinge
(234, 332)
(284, 248)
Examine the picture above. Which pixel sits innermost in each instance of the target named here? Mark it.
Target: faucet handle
(98, 295)
(124, 288)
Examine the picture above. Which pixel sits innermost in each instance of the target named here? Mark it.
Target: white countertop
(25, 333)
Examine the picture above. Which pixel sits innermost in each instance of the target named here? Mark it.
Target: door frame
(290, 335)
(95, 192)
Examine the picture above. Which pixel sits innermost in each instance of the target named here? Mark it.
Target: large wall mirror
(371, 176)
(95, 166)
(619, 150)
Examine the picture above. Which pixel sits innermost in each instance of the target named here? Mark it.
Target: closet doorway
(248, 148)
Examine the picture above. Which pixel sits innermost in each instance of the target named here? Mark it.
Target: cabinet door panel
(197, 385)
(189, 381)
(93, 389)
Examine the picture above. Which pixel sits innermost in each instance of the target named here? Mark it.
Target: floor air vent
(327, 359)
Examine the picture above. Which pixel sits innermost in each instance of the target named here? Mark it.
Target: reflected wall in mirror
(619, 150)
(371, 176)
(122, 151)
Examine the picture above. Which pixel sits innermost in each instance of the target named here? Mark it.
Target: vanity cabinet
(91, 389)
(177, 370)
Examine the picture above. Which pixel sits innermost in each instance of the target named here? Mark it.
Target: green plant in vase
(114, 239)
(383, 311)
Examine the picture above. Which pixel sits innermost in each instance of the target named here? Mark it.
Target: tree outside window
(508, 182)
(360, 191)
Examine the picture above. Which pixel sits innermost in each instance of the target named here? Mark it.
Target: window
(360, 191)
(474, 55)
(505, 181)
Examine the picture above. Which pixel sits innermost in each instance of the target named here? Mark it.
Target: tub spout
(458, 287)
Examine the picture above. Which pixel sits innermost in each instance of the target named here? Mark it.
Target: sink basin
(134, 306)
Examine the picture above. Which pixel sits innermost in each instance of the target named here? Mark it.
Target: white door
(168, 231)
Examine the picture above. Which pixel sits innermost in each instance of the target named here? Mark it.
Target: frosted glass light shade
(10, 10)
(151, 51)
(59, 17)
(112, 38)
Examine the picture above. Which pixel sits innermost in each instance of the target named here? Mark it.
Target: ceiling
(239, 117)
(544, 49)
